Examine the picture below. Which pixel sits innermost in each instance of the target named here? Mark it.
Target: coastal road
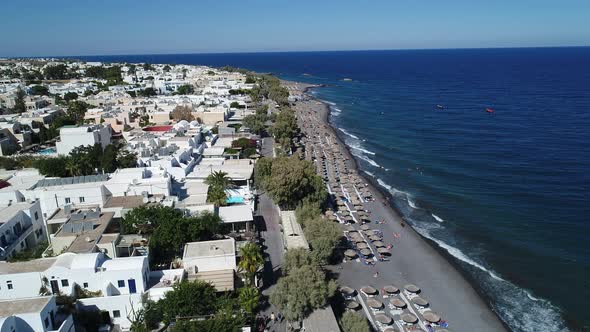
(269, 228)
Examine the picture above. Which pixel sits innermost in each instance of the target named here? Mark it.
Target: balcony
(14, 241)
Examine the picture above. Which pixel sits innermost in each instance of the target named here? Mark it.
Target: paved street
(268, 225)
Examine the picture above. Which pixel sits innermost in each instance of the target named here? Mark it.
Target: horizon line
(292, 51)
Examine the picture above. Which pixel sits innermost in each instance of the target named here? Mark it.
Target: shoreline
(466, 282)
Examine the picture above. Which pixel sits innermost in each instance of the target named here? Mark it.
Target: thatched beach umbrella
(383, 251)
(362, 245)
(358, 240)
(353, 305)
(350, 253)
(370, 232)
(332, 217)
(345, 213)
(398, 303)
(412, 288)
(374, 303)
(374, 238)
(390, 289)
(370, 290)
(348, 218)
(431, 317)
(345, 290)
(409, 318)
(340, 203)
(383, 319)
(365, 227)
(379, 244)
(391, 329)
(420, 301)
(329, 212)
(366, 252)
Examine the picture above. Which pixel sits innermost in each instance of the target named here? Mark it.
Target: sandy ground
(412, 260)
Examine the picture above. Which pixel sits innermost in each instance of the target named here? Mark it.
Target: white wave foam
(369, 173)
(328, 102)
(367, 159)
(437, 218)
(411, 203)
(392, 190)
(361, 149)
(348, 134)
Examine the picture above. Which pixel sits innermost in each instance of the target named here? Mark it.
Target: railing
(7, 250)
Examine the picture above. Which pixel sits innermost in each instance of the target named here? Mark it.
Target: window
(9, 284)
(65, 283)
(68, 200)
(121, 283)
(46, 322)
(85, 285)
(81, 199)
(36, 215)
(116, 313)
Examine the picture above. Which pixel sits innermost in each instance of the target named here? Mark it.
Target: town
(155, 197)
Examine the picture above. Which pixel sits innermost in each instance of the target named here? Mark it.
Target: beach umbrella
(412, 288)
(332, 217)
(366, 252)
(358, 240)
(345, 213)
(342, 208)
(398, 303)
(431, 317)
(374, 303)
(365, 227)
(390, 289)
(347, 290)
(383, 251)
(362, 245)
(350, 253)
(369, 290)
(374, 238)
(409, 318)
(391, 329)
(340, 203)
(329, 212)
(354, 305)
(379, 244)
(348, 218)
(370, 232)
(420, 301)
(383, 319)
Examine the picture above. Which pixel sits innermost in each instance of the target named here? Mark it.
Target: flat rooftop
(235, 213)
(209, 248)
(36, 265)
(80, 244)
(8, 212)
(23, 306)
(71, 180)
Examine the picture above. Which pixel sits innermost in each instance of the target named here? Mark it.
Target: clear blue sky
(74, 27)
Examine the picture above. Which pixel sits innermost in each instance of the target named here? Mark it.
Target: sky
(74, 27)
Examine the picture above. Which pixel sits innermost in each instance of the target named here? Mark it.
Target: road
(269, 228)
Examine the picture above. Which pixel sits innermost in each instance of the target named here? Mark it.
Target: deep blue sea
(505, 193)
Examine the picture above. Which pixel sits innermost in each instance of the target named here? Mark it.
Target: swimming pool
(234, 200)
(47, 151)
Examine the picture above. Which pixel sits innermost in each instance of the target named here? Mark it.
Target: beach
(412, 260)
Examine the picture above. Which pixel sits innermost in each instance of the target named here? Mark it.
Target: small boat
(489, 110)
(440, 107)
(347, 79)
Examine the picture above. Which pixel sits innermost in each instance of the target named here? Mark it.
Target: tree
(302, 291)
(147, 66)
(250, 261)
(295, 259)
(145, 219)
(262, 172)
(256, 123)
(57, 72)
(108, 161)
(127, 159)
(69, 96)
(217, 196)
(19, 101)
(188, 299)
(250, 79)
(285, 128)
(39, 90)
(147, 92)
(182, 112)
(293, 181)
(54, 167)
(166, 68)
(185, 89)
(76, 110)
(249, 299)
(218, 182)
(353, 322)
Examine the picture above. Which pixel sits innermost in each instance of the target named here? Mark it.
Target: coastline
(476, 301)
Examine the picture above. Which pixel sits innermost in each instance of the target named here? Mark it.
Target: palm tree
(218, 179)
(72, 167)
(216, 196)
(251, 260)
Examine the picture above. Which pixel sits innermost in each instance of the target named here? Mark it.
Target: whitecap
(328, 102)
(367, 159)
(348, 134)
(361, 149)
(437, 218)
(411, 203)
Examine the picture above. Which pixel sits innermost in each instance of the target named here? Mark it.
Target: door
(54, 287)
(131, 284)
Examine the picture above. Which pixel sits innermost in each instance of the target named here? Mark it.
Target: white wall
(215, 263)
(125, 304)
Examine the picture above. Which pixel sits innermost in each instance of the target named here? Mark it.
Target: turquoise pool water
(234, 200)
(47, 151)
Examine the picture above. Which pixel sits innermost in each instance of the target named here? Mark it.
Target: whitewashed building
(73, 137)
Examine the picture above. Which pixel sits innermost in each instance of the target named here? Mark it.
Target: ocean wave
(367, 159)
(411, 203)
(369, 173)
(328, 102)
(516, 306)
(348, 134)
(361, 149)
(392, 190)
(437, 218)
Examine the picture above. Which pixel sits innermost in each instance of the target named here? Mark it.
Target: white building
(21, 228)
(211, 261)
(117, 284)
(73, 137)
(38, 314)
